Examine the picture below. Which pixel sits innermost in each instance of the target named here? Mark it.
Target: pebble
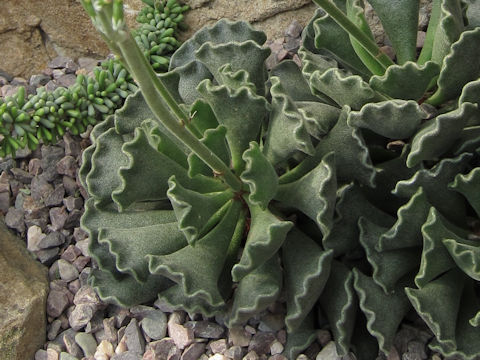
(59, 62)
(70, 253)
(128, 355)
(72, 203)
(181, 335)
(56, 196)
(239, 337)
(104, 350)
(261, 342)
(39, 80)
(81, 315)
(53, 329)
(14, 219)
(58, 217)
(34, 237)
(193, 351)
(276, 348)
(67, 271)
(217, 357)
(206, 329)
(234, 352)
(51, 240)
(251, 355)
(87, 343)
(329, 352)
(218, 346)
(57, 302)
(133, 338)
(154, 324)
(67, 356)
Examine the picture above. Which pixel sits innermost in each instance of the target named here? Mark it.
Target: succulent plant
(350, 184)
(45, 116)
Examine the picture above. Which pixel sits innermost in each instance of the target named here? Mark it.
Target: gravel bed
(42, 199)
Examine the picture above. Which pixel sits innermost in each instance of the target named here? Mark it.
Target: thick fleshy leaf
(198, 268)
(333, 38)
(468, 185)
(301, 338)
(400, 21)
(394, 119)
(202, 117)
(260, 176)
(307, 269)
(466, 254)
(388, 266)
(438, 304)
(344, 89)
(195, 211)
(229, 106)
(435, 14)
(224, 31)
(189, 76)
(435, 259)
(319, 118)
(352, 204)
(384, 312)
(461, 66)
(265, 282)
(311, 62)
(434, 182)
(408, 81)
(126, 291)
(439, 134)
(248, 56)
(406, 230)
(339, 303)
(285, 119)
(473, 13)
(266, 236)
(314, 194)
(449, 27)
(234, 79)
(471, 94)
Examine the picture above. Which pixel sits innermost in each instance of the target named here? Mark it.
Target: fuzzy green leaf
(314, 194)
(302, 338)
(468, 185)
(312, 62)
(307, 269)
(408, 81)
(384, 313)
(266, 236)
(285, 119)
(400, 21)
(394, 119)
(319, 118)
(466, 254)
(470, 93)
(265, 282)
(260, 176)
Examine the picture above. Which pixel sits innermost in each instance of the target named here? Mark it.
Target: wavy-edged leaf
(400, 21)
(229, 106)
(130, 246)
(265, 282)
(266, 236)
(187, 80)
(434, 182)
(311, 62)
(198, 268)
(195, 210)
(471, 94)
(352, 204)
(394, 119)
(339, 303)
(468, 185)
(408, 81)
(319, 118)
(202, 117)
(468, 141)
(438, 303)
(384, 312)
(344, 89)
(214, 139)
(466, 254)
(103, 177)
(406, 230)
(355, 13)
(260, 176)
(460, 66)
(449, 27)
(285, 119)
(388, 266)
(352, 157)
(435, 259)
(475, 321)
(234, 79)
(307, 269)
(439, 134)
(314, 193)
(248, 56)
(301, 338)
(126, 291)
(334, 39)
(473, 13)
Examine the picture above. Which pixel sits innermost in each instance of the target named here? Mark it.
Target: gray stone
(67, 271)
(181, 335)
(162, 348)
(81, 315)
(238, 336)
(71, 345)
(40, 188)
(59, 62)
(4, 202)
(74, 286)
(88, 63)
(234, 353)
(14, 219)
(67, 356)
(154, 324)
(271, 322)
(56, 197)
(71, 253)
(70, 185)
(252, 355)
(67, 166)
(34, 237)
(47, 256)
(80, 262)
(86, 295)
(51, 240)
(72, 147)
(58, 217)
(35, 167)
(21, 175)
(71, 67)
(39, 80)
(73, 219)
(294, 30)
(53, 329)
(67, 80)
(205, 329)
(57, 302)
(329, 352)
(134, 338)
(87, 343)
(73, 203)
(95, 324)
(127, 355)
(23, 291)
(51, 86)
(218, 346)
(193, 351)
(51, 155)
(261, 342)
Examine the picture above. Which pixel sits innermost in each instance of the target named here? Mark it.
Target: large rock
(23, 294)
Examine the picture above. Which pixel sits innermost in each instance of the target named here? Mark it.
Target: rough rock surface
(23, 291)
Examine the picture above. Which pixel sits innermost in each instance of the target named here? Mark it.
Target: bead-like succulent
(350, 184)
(45, 116)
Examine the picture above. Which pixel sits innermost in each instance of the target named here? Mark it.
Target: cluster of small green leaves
(45, 116)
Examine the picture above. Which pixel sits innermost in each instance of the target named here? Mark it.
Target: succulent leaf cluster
(46, 116)
(359, 182)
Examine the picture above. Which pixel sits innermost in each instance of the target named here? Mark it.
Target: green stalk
(159, 99)
(366, 42)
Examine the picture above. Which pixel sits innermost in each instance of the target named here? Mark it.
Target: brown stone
(23, 294)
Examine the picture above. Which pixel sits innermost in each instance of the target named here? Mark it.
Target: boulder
(23, 294)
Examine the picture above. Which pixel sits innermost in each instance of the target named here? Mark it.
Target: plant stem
(367, 43)
(162, 103)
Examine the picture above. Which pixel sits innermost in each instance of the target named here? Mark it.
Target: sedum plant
(46, 116)
(349, 185)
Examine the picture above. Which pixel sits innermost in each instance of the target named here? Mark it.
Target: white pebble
(276, 348)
